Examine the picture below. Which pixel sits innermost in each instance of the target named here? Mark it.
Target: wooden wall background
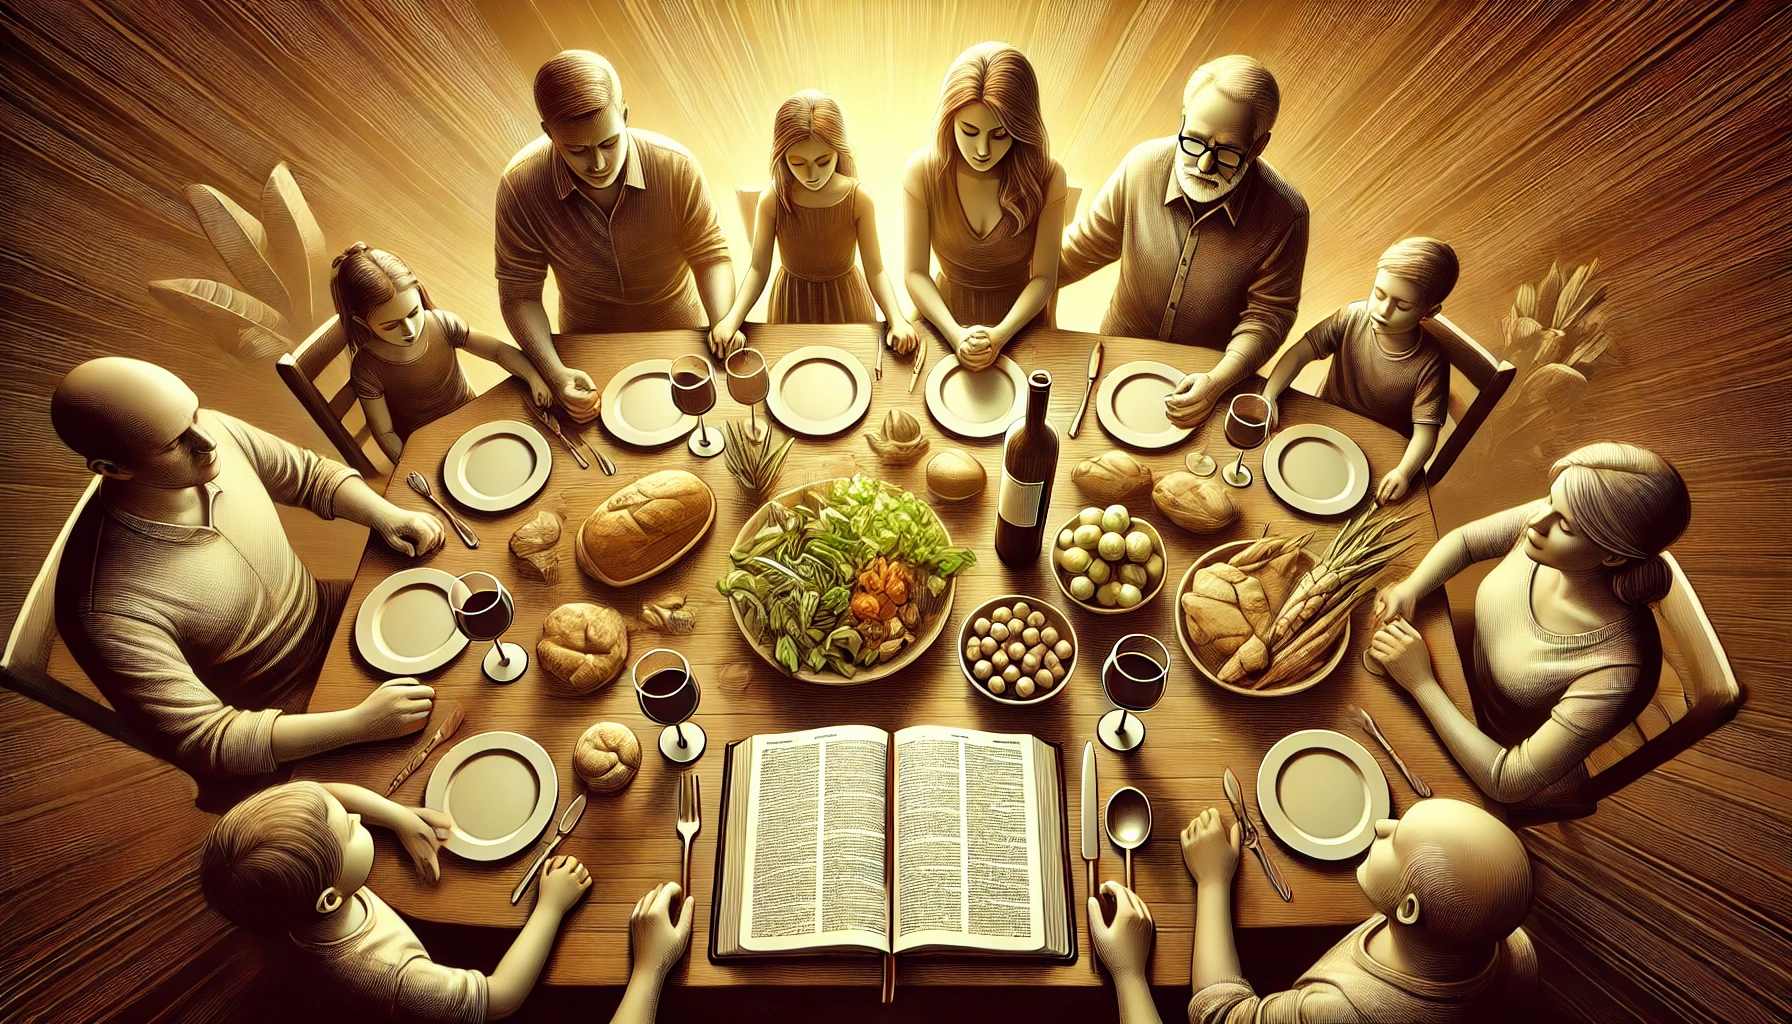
(1649, 135)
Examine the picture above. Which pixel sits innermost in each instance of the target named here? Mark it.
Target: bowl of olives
(1017, 649)
(1108, 562)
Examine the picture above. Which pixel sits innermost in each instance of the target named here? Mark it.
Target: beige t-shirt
(425, 389)
(1395, 391)
(1348, 986)
(382, 971)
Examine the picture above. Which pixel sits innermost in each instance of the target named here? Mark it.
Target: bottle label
(1018, 502)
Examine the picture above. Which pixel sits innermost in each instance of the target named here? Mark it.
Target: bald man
(178, 593)
(1450, 884)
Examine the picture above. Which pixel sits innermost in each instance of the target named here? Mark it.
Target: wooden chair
(1696, 694)
(317, 372)
(25, 665)
(1478, 379)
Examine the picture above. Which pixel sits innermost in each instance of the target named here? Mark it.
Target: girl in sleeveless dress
(402, 349)
(818, 217)
(988, 200)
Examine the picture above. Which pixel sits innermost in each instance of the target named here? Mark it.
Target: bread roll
(607, 757)
(583, 646)
(643, 528)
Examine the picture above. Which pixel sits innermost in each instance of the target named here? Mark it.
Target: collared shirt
(1220, 275)
(626, 270)
(192, 632)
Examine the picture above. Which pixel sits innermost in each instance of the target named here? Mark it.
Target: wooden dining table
(628, 840)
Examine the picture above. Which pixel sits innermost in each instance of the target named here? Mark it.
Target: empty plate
(1129, 405)
(497, 466)
(819, 390)
(1316, 469)
(637, 406)
(500, 788)
(405, 626)
(979, 403)
(1321, 794)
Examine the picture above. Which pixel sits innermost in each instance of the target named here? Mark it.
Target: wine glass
(1199, 463)
(483, 610)
(748, 384)
(668, 691)
(1133, 677)
(1247, 427)
(694, 393)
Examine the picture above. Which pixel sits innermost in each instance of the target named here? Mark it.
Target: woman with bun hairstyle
(402, 349)
(1567, 653)
(818, 218)
(987, 199)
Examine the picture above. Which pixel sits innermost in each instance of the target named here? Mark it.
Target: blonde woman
(988, 200)
(1566, 649)
(818, 218)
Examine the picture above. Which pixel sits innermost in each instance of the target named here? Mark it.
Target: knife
(574, 811)
(450, 722)
(547, 420)
(1091, 829)
(1076, 422)
(1236, 797)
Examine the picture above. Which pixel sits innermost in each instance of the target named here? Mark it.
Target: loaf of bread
(644, 527)
(607, 757)
(583, 646)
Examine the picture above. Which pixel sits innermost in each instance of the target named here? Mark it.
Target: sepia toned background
(1648, 136)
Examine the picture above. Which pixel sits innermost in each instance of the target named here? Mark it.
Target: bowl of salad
(842, 582)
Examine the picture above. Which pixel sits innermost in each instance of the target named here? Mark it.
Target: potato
(1063, 650)
(1129, 595)
(1029, 663)
(1002, 615)
(1076, 561)
(1022, 609)
(1098, 572)
(1029, 636)
(1049, 636)
(998, 631)
(988, 646)
(1043, 677)
(1011, 674)
(980, 627)
(1108, 594)
(997, 686)
(1112, 476)
(1066, 538)
(999, 659)
(1196, 505)
(1154, 568)
(973, 651)
(1087, 536)
(1051, 660)
(1082, 588)
(1089, 517)
(1135, 575)
(1024, 689)
(1111, 546)
(1036, 620)
(982, 670)
(1017, 651)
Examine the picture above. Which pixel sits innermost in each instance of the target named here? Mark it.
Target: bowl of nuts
(1017, 649)
(1107, 562)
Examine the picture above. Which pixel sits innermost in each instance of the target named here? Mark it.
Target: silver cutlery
(920, 361)
(574, 811)
(877, 365)
(1076, 422)
(1091, 829)
(421, 486)
(1251, 839)
(603, 461)
(547, 420)
(1368, 723)
(690, 821)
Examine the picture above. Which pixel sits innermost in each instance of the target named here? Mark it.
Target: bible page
(815, 873)
(967, 841)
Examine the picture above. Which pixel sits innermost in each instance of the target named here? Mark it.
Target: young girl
(817, 215)
(988, 200)
(403, 365)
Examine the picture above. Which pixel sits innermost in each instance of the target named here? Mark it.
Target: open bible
(928, 840)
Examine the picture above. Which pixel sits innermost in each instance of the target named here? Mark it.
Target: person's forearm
(1134, 996)
(715, 286)
(1475, 752)
(1232, 368)
(750, 288)
(1027, 305)
(372, 807)
(390, 443)
(932, 304)
(1424, 441)
(512, 359)
(1449, 556)
(884, 291)
(641, 1000)
(528, 323)
(356, 502)
(1287, 368)
(1215, 955)
(515, 977)
(300, 736)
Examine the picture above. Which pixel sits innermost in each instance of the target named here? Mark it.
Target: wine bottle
(1029, 464)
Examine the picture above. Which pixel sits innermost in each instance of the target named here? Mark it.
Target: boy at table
(1384, 365)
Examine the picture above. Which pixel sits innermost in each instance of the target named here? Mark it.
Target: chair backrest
(318, 374)
(1478, 379)
(25, 664)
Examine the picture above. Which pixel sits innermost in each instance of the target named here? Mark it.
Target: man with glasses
(1211, 240)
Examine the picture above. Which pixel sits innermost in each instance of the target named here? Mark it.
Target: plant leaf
(242, 244)
(1526, 304)
(238, 323)
(296, 249)
(1548, 292)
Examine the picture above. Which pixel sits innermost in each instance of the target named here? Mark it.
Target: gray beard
(1202, 192)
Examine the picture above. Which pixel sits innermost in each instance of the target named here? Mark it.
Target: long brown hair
(806, 115)
(1631, 502)
(362, 278)
(1002, 78)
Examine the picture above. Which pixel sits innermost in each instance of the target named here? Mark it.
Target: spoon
(421, 486)
(1128, 822)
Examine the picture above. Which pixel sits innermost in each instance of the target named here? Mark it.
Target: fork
(421, 485)
(1364, 719)
(690, 821)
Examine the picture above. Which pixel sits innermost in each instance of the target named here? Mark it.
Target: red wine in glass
(1247, 427)
(1134, 678)
(669, 696)
(694, 393)
(483, 610)
(668, 692)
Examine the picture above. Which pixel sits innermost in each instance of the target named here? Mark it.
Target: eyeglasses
(1227, 157)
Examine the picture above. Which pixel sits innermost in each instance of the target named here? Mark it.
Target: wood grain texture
(1650, 135)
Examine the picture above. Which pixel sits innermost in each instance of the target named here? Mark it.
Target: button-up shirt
(194, 632)
(1220, 275)
(625, 270)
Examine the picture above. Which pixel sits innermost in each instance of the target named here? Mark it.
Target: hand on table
(659, 928)
(1125, 944)
(422, 831)
(577, 394)
(1192, 400)
(394, 708)
(725, 340)
(1397, 601)
(1392, 488)
(1209, 851)
(409, 533)
(1400, 649)
(902, 337)
(564, 882)
(540, 393)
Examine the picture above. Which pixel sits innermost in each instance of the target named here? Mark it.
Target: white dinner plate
(405, 626)
(1129, 405)
(500, 788)
(818, 391)
(1321, 793)
(637, 406)
(497, 466)
(1316, 469)
(979, 403)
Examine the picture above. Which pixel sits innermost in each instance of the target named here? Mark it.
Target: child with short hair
(1384, 366)
(291, 863)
